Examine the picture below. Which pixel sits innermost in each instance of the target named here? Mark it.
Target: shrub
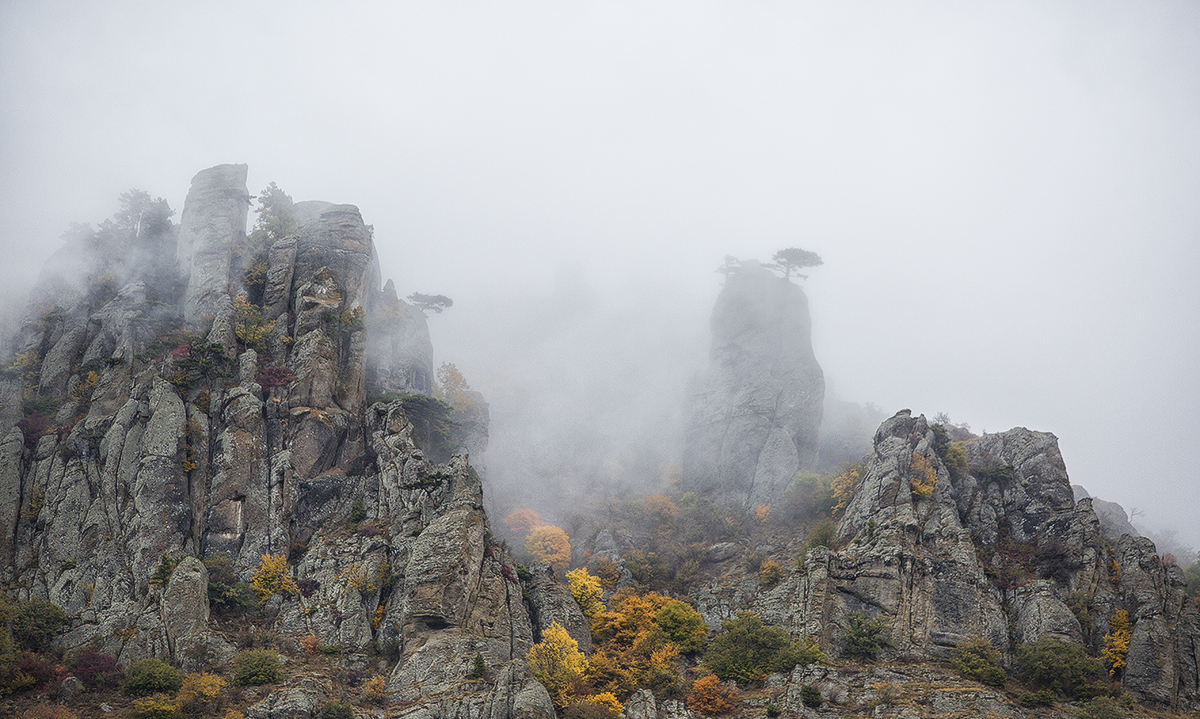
(337, 710)
(98, 671)
(604, 705)
(810, 696)
(152, 676)
(556, 661)
(587, 592)
(865, 637)
(1116, 642)
(709, 697)
(49, 711)
(683, 625)
(275, 377)
(272, 577)
(1100, 708)
(34, 622)
(769, 573)
(254, 667)
(746, 650)
(822, 534)
(550, 545)
(375, 689)
(773, 710)
(977, 659)
(1062, 668)
(156, 706)
(1040, 698)
(478, 667)
(199, 691)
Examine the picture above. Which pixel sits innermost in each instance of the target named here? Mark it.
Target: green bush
(683, 625)
(1040, 698)
(1062, 668)
(773, 710)
(865, 637)
(152, 676)
(34, 622)
(254, 667)
(478, 667)
(747, 650)
(810, 696)
(1100, 708)
(978, 660)
(337, 710)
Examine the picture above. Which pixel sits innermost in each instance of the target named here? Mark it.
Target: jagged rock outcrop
(213, 425)
(756, 417)
(212, 226)
(1114, 521)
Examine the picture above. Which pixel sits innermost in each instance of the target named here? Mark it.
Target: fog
(1004, 195)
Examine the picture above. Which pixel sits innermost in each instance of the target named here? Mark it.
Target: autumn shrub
(1063, 668)
(977, 659)
(34, 622)
(249, 324)
(97, 670)
(155, 706)
(865, 637)
(746, 650)
(923, 478)
(604, 705)
(272, 576)
(255, 667)
(199, 692)
(1116, 643)
(550, 545)
(152, 676)
(769, 573)
(38, 673)
(275, 377)
(708, 696)
(523, 521)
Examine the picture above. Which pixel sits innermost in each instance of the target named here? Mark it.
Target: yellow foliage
(310, 643)
(81, 393)
(550, 545)
(198, 690)
(249, 324)
(272, 576)
(375, 690)
(608, 572)
(356, 577)
(1116, 642)
(556, 662)
(607, 699)
(234, 714)
(586, 590)
(762, 513)
(923, 477)
(378, 618)
(769, 573)
(452, 388)
(155, 706)
(843, 489)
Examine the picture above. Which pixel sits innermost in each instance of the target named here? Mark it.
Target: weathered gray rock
(212, 224)
(756, 417)
(551, 603)
(303, 700)
(399, 352)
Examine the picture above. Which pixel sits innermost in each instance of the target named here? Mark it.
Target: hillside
(227, 442)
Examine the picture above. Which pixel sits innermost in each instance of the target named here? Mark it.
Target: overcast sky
(1006, 195)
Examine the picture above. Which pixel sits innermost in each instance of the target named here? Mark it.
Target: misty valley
(233, 483)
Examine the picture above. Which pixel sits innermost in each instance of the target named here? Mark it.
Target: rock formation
(756, 418)
(999, 550)
(213, 425)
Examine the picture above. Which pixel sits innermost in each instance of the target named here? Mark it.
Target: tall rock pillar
(756, 416)
(212, 225)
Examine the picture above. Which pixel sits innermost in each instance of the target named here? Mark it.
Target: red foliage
(180, 352)
(98, 671)
(275, 377)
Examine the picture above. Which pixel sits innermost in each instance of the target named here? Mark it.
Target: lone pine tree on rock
(792, 259)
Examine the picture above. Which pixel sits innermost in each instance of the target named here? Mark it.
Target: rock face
(213, 425)
(756, 418)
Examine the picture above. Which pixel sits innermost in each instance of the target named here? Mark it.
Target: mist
(1003, 196)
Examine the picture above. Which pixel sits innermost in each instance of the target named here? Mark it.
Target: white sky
(1006, 194)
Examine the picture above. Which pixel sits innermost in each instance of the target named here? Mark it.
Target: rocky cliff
(756, 417)
(199, 423)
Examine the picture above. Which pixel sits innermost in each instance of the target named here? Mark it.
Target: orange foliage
(709, 697)
(762, 513)
(550, 545)
(923, 476)
(523, 521)
(608, 572)
(661, 513)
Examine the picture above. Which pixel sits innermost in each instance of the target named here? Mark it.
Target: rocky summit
(248, 448)
(756, 416)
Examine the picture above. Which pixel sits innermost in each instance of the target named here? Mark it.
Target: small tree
(272, 576)
(1116, 643)
(587, 592)
(865, 637)
(709, 697)
(792, 259)
(746, 650)
(276, 216)
(430, 303)
(550, 545)
(556, 662)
